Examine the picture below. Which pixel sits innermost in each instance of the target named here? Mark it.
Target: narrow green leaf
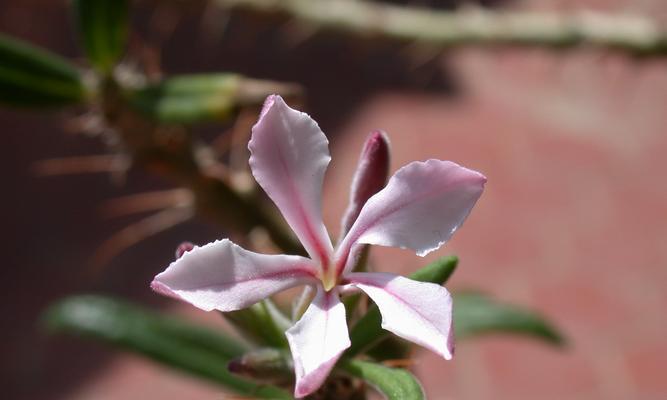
(190, 348)
(367, 331)
(393, 383)
(103, 27)
(439, 271)
(477, 314)
(207, 97)
(188, 99)
(30, 76)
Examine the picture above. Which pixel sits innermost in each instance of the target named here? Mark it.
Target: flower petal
(317, 340)
(223, 276)
(420, 312)
(289, 156)
(420, 208)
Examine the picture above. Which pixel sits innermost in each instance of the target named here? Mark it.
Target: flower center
(329, 277)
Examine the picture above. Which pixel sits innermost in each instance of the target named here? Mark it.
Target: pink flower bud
(370, 176)
(183, 248)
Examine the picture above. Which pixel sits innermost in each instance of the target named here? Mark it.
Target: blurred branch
(138, 231)
(144, 123)
(197, 350)
(169, 150)
(148, 201)
(635, 35)
(107, 163)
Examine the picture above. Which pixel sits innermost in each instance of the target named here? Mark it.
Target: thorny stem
(445, 29)
(170, 152)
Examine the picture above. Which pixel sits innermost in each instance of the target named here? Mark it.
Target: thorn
(421, 54)
(136, 232)
(298, 33)
(214, 24)
(222, 142)
(149, 201)
(108, 163)
(90, 123)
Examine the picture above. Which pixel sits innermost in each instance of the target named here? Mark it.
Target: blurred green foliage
(33, 77)
(170, 341)
(103, 30)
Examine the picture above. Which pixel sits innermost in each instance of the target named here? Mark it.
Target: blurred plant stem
(444, 29)
(169, 150)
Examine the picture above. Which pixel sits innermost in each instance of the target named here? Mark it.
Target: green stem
(473, 26)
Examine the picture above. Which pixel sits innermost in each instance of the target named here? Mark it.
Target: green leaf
(439, 271)
(367, 331)
(103, 27)
(393, 383)
(207, 97)
(30, 76)
(477, 314)
(188, 99)
(190, 348)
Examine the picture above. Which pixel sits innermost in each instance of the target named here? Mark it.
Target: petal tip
(475, 176)
(481, 177)
(313, 381)
(163, 289)
(448, 351)
(268, 103)
(377, 137)
(301, 391)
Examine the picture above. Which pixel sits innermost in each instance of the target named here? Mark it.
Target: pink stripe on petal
(289, 156)
(223, 276)
(421, 207)
(420, 312)
(317, 340)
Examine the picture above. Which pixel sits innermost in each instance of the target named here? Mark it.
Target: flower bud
(369, 178)
(183, 248)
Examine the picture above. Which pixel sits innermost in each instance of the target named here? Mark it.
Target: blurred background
(573, 222)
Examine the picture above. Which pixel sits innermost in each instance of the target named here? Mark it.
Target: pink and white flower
(421, 206)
